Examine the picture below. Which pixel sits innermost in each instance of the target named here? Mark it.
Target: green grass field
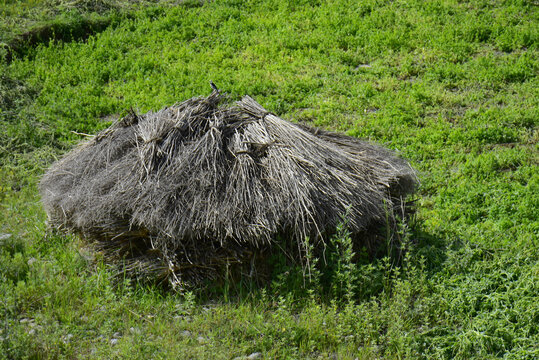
(451, 85)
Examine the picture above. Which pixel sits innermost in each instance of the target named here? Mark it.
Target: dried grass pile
(175, 194)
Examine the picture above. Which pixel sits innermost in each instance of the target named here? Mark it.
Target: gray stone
(4, 236)
(67, 338)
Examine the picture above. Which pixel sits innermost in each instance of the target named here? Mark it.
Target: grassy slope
(452, 85)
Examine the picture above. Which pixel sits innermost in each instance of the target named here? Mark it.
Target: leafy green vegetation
(452, 85)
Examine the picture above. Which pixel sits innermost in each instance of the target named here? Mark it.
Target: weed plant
(450, 84)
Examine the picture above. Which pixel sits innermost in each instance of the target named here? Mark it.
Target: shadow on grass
(336, 273)
(77, 22)
(77, 29)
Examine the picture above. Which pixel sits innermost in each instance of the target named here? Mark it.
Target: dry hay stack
(175, 194)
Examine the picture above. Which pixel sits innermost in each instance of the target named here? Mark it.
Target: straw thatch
(177, 193)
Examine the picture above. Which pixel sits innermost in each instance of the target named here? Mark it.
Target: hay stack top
(203, 172)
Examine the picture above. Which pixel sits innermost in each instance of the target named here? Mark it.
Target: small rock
(113, 341)
(134, 330)
(25, 320)
(84, 318)
(4, 236)
(117, 335)
(31, 261)
(31, 331)
(254, 356)
(363, 66)
(67, 338)
(185, 333)
(201, 340)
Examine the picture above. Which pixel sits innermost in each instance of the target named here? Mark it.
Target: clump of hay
(174, 195)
